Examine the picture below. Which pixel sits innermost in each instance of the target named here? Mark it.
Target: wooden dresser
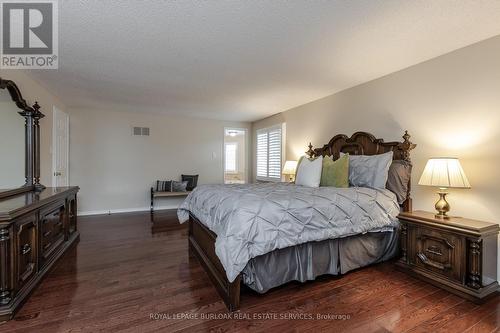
(36, 228)
(456, 254)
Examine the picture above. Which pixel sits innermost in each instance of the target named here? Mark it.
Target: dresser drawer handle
(25, 249)
(47, 246)
(46, 234)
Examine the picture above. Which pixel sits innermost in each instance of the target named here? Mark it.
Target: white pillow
(309, 172)
(369, 171)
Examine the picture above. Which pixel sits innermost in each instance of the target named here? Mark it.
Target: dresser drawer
(72, 212)
(438, 251)
(51, 227)
(26, 247)
(51, 231)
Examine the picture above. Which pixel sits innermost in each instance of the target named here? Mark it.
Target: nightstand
(456, 254)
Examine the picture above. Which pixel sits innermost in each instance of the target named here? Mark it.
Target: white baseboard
(123, 210)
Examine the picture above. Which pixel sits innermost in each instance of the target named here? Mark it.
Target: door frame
(55, 109)
(224, 151)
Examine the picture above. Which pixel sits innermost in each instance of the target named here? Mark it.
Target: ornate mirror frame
(32, 117)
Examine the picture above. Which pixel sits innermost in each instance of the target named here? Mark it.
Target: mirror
(12, 143)
(19, 142)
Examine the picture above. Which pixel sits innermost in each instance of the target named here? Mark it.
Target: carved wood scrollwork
(15, 94)
(431, 248)
(37, 115)
(474, 264)
(434, 250)
(404, 241)
(364, 143)
(432, 263)
(406, 146)
(5, 285)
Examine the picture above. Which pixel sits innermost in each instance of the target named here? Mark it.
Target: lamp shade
(289, 168)
(444, 172)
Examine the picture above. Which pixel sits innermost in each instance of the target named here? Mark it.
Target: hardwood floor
(130, 274)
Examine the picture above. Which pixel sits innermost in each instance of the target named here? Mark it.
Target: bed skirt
(307, 261)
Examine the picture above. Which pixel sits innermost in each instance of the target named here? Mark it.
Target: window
(269, 148)
(231, 157)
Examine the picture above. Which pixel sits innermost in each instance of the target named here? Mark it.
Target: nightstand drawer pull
(434, 250)
(428, 262)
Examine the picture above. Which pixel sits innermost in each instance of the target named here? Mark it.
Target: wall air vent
(140, 131)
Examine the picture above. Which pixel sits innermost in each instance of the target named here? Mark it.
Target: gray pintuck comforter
(254, 219)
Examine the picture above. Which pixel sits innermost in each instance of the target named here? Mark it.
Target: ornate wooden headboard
(362, 143)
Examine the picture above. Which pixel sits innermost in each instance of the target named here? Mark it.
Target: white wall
(451, 107)
(115, 170)
(35, 91)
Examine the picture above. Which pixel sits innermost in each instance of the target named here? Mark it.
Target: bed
(265, 235)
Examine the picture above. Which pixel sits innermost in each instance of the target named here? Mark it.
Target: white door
(60, 149)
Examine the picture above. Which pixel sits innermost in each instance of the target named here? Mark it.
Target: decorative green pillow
(335, 173)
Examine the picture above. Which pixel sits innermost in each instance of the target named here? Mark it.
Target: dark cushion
(163, 186)
(398, 179)
(192, 181)
(179, 186)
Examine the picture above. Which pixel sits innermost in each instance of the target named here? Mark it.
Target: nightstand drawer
(438, 251)
(457, 254)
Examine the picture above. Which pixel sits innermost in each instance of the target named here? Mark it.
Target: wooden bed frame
(202, 240)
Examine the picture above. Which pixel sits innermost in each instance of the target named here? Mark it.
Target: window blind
(269, 147)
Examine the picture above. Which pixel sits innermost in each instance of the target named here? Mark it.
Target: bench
(155, 194)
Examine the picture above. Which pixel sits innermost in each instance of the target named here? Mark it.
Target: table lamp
(289, 170)
(443, 173)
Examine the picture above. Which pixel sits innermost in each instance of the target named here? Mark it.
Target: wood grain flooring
(132, 274)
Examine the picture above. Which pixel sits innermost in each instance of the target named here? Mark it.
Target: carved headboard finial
(407, 146)
(310, 152)
(406, 136)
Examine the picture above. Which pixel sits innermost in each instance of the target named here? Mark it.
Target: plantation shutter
(269, 147)
(274, 159)
(262, 154)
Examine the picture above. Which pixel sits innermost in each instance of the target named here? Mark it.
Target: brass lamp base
(442, 206)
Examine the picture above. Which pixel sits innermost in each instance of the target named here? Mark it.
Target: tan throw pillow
(335, 173)
(398, 179)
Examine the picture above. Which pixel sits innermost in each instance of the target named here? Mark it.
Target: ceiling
(245, 60)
